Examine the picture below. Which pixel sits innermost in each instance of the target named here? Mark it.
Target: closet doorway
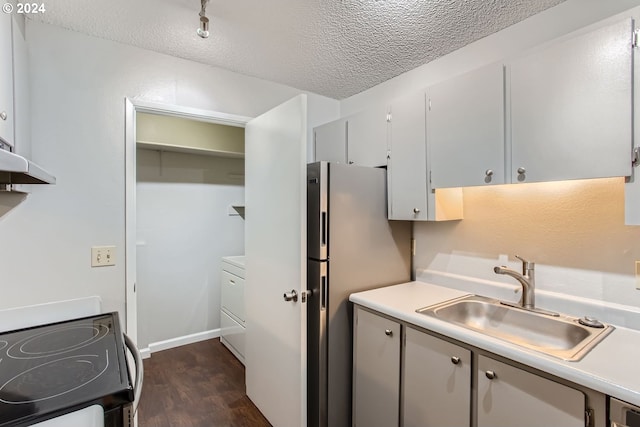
(189, 200)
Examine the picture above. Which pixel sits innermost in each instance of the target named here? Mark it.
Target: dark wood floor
(197, 385)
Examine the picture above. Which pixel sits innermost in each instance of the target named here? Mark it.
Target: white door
(275, 249)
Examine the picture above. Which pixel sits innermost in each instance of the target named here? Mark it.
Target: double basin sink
(551, 333)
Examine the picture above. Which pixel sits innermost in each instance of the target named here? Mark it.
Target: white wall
(78, 86)
(183, 230)
(574, 231)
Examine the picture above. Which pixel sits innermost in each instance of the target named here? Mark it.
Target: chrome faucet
(527, 279)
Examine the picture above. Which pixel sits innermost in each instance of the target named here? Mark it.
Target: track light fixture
(203, 29)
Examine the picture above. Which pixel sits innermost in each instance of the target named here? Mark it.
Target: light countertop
(612, 367)
(238, 261)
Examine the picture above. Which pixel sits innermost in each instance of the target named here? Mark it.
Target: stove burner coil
(77, 371)
(58, 341)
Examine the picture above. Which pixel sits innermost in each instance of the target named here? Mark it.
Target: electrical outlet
(637, 274)
(102, 256)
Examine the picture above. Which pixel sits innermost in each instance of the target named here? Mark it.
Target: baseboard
(184, 340)
(145, 353)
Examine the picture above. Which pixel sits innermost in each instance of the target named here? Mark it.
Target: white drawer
(233, 267)
(233, 295)
(232, 335)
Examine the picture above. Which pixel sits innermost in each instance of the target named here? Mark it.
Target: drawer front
(232, 268)
(232, 333)
(233, 295)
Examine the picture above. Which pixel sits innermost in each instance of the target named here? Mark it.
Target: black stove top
(50, 370)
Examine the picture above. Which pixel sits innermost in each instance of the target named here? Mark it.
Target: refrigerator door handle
(323, 229)
(323, 292)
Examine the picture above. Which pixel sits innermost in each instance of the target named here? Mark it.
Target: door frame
(133, 106)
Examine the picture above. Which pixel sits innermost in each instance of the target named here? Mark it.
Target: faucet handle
(526, 265)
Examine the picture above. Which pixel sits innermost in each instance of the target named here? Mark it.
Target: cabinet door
(571, 108)
(407, 164)
(367, 137)
(6, 80)
(22, 111)
(376, 373)
(437, 382)
(508, 396)
(331, 142)
(465, 129)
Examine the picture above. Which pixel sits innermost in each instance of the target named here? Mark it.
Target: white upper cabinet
(6, 80)
(571, 108)
(330, 140)
(407, 164)
(465, 129)
(367, 137)
(22, 108)
(360, 139)
(409, 195)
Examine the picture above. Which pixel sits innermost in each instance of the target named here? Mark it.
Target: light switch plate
(102, 256)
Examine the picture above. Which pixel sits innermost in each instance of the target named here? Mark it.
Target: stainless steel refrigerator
(351, 247)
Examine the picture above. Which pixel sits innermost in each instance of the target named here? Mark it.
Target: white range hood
(15, 169)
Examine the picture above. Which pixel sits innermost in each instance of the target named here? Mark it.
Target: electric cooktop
(50, 370)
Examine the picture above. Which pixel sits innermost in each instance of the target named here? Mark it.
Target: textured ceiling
(335, 48)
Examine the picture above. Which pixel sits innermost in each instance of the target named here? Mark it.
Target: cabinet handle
(416, 210)
(491, 375)
(455, 360)
(489, 172)
(388, 332)
(3, 115)
(521, 171)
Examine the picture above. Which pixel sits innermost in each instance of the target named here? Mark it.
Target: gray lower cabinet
(508, 396)
(437, 382)
(376, 374)
(429, 381)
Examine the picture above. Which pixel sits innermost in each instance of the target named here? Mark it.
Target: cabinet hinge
(388, 154)
(429, 104)
(635, 38)
(413, 247)
(389, 117)
(635, 161)
(588, 417)
(430, 177)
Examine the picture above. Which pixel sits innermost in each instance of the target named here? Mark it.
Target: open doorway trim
(133, 106)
